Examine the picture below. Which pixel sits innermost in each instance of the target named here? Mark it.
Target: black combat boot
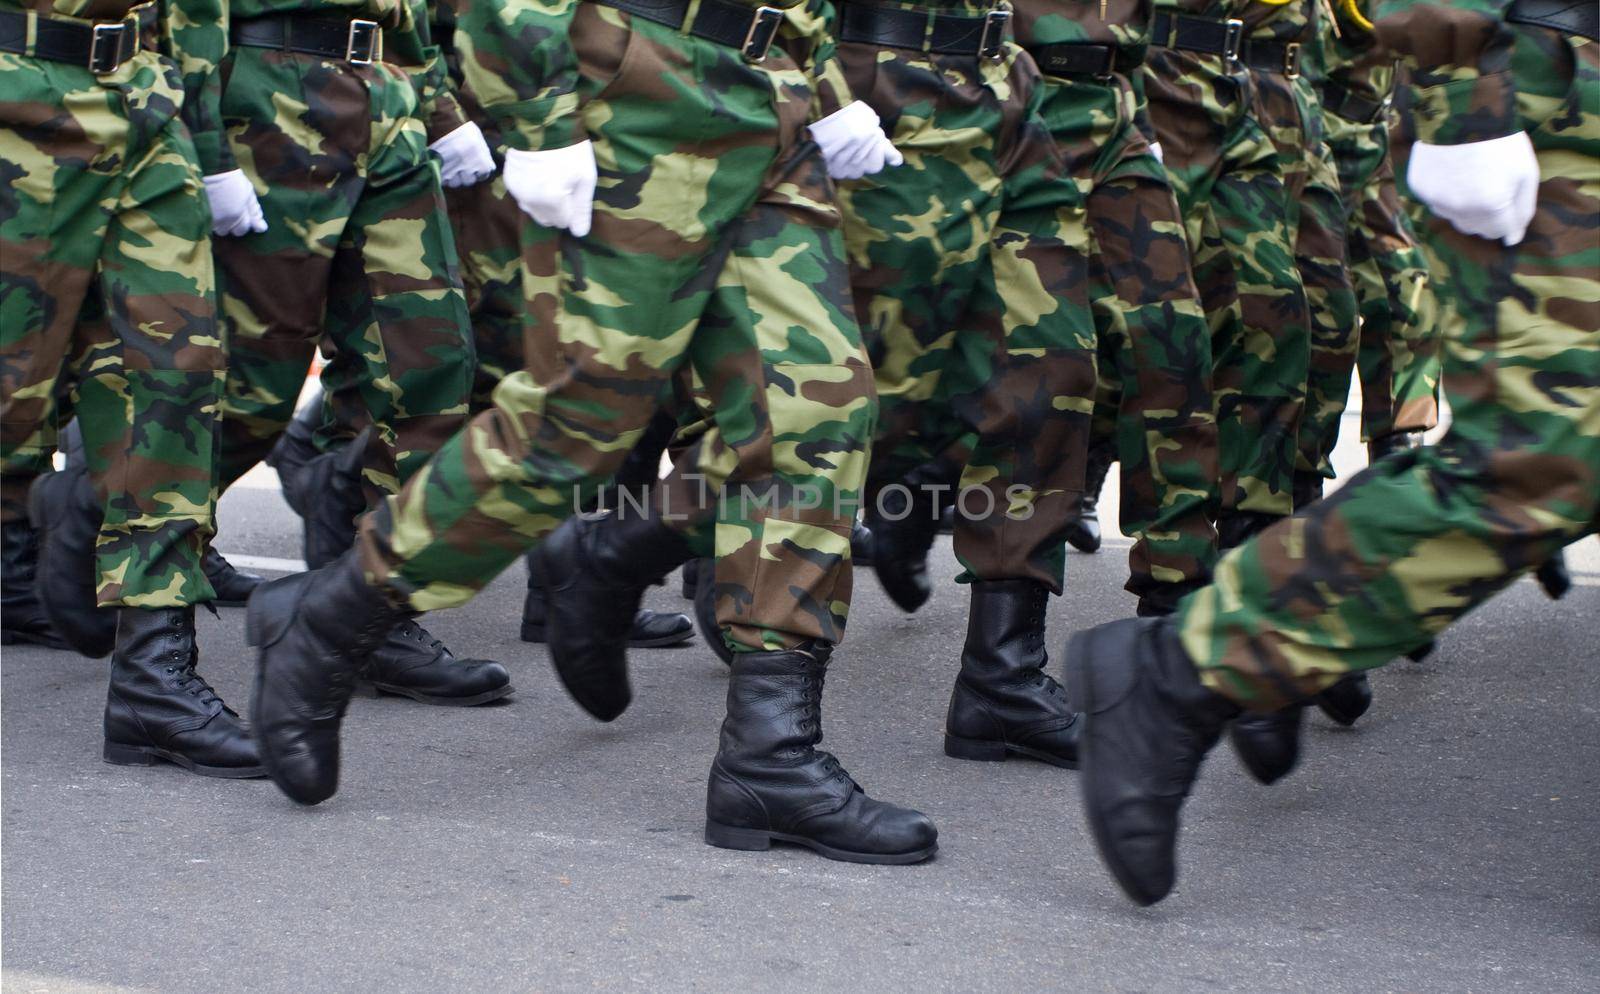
(690, 577)
(1083, 533)
(901, 537)
(67, 515)
(412, 663)
(21, 617)
(705, 612)
(295, 450)
(1003, 701)
(1162, 599)
(860, 544)
(597, 568)
(1307, 489)
(1148, 724)
(160, 708)
(650, 629)
(770, 783)
(1346, 701)
(333, 501)
(1268, 744)
(1235, 528)
(1389, 444)
(314, 632)
(1554, 577)
(233, 587)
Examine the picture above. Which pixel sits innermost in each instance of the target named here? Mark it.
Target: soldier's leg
(1321, 256)
(147, 385)
(485, 222)
(1165, 431)
(1399, 351)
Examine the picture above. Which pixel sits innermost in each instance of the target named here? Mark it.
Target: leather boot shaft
(770, 782)
(67, 514)
(22, 619)
(158, 707)
(314, 632)
(1003, 702)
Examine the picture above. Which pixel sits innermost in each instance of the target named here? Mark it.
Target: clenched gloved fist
(464, 156)
(1488, 188)
(234, 207)
(853, 143)
(554, 187)
(1155, 150)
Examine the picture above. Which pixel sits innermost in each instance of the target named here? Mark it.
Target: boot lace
(409, 629)
(187, 680)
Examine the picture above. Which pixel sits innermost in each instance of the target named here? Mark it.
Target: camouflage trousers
(1290, 109)
(1154, 399)
(1421, 538)
(1398, 357)
(969, 265)
(715, 244)
(486, 224)
(357, 255)
(1226, 173)
(107, 285)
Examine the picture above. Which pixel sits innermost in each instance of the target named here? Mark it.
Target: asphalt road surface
(1450, 842)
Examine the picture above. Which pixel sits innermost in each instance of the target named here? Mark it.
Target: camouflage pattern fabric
(1421, 538)
(1289, 108)
(486, 223)
(357, 227)
(1398, 358)
(1225, 171)
(715, 244)
(1154, 395)
(969, 265)
(108, 283)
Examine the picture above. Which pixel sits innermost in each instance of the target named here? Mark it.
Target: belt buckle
(1232, 38)
(362, 44)
(1291, 60)
(763, 29)
(100, 62)
(991, 44)
(1110, 68)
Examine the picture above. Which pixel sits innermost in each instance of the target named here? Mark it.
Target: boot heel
(746, 839)
(981, 750)
(119, 755)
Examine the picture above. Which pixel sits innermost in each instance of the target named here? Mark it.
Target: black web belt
(1271, 56)
(942, 34)
(1198, 34)
(101, 47)
(1341, 102)
(1075, 59)
(1573, 17)
(353, 39)
(751, 30)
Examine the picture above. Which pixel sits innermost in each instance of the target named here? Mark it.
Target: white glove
(853, 143)
(1488, 188)
(554, 187)
(464, 156)
(234, 207)
(1155, 150)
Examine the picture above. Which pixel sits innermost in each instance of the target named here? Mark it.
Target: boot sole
(760, 840)
(536, 636)
(1078, 690)
(433, 699)
(990, 751)
(125, 755)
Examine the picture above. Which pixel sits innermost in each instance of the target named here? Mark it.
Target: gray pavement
(1447, 843)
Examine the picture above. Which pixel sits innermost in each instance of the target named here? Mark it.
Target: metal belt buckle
(103, 37)
(361, 45)
(763, 29)
(1291, 60)
(991, 44)
(1231, 40)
